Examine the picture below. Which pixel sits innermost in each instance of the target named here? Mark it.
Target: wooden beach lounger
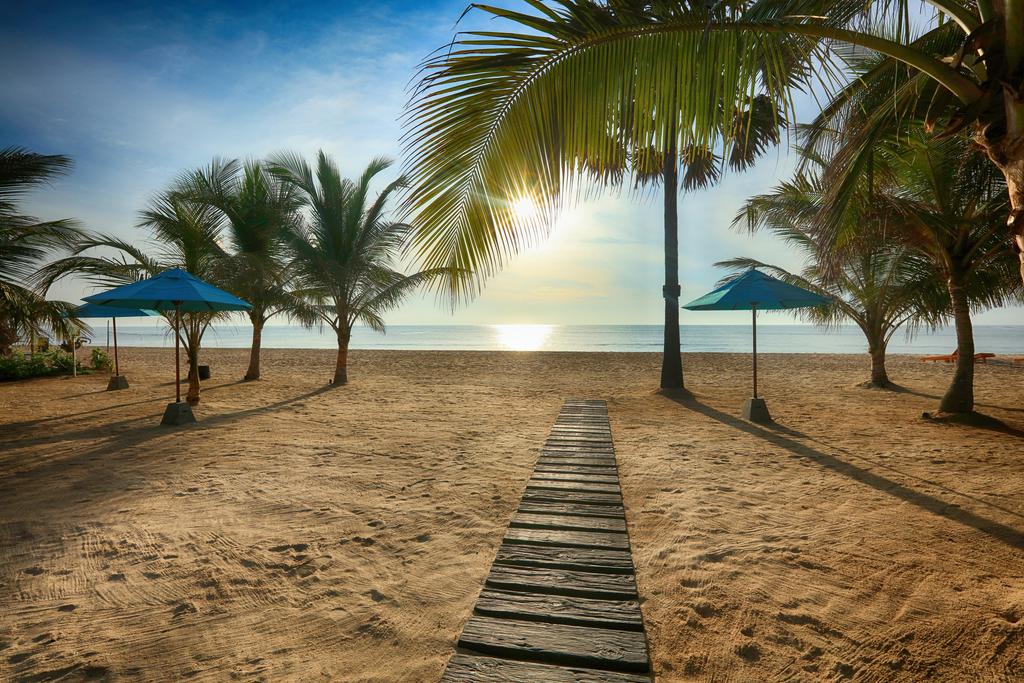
(978, 358)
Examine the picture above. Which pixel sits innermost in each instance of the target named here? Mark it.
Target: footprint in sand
(117, 577)
(297, 547)
(184, 608)
(377, 596)
(34, 571)
(422, 538)
(749, 651)
(705, 609)
(67, 608)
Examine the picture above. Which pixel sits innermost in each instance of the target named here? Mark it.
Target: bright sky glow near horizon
(136, 93)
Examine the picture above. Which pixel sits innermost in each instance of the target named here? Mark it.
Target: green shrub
(19, 366)
(101, 361)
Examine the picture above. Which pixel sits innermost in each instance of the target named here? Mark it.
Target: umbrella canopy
(173, 289)
(754, 289)
(98, 311)
(114, 312)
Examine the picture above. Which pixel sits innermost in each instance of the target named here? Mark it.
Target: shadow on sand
(778, 436)
(114, 465)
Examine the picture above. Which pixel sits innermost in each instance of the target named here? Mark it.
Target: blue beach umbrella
(172, 290)
(112, 312)
(753, 291)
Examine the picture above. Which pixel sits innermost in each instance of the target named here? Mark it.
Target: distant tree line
(290, 238)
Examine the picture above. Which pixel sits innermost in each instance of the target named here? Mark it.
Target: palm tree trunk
(671, 360)
(253, 372)
(1008, 155)
(879, 377)
(193, 374)
(341, 366)
(959, 398)
(1015, 184)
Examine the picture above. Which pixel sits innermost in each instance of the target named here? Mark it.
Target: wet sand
(299, 532)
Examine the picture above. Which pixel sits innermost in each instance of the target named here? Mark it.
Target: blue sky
(137, 92)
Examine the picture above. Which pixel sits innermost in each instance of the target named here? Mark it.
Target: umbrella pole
(116, 368)
(753, 310)
(177, 344)
(74, 356)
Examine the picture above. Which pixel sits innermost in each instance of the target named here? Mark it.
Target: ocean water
(999, 339)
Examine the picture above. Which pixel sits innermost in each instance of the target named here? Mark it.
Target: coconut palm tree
(345, 252)
(24, 242)
(526, 109)
(934, 198)
(950, 205)
(875, 281)
(498, 118)
(257, 209)
(186, 234)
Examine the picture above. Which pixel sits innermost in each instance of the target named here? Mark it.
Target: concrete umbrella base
(178, 413)
(117, 382)
(756, 410)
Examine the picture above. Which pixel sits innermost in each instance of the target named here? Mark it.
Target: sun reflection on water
(522, 337)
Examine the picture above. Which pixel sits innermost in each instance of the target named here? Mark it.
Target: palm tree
(875, 281)
(186, 235)
(503, 112)
(24, 242)
(257, 208)
(950, 205)
(498, 118)
(345, 253)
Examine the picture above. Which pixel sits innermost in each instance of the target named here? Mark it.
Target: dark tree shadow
(778, 437)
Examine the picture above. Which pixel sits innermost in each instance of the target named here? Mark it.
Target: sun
(525, 208)
(522, 337)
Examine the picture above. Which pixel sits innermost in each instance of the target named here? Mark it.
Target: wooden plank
(546, 508)
(556, 581)
(602, 444)
(548, 460)
(585, 477)
(572, 458)
(580, 444)
(571, 497)
(578, 450)
(469, 667)
(571, 486)
(624, 651)
(577, 438)
(530, 520)
(576, 559)
(574, 497)
(568, 539)
(575, 469)
(560, 609)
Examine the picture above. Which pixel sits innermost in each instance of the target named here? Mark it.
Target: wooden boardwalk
(560, 603)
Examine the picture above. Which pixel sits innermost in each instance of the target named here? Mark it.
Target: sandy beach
(299, 532)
